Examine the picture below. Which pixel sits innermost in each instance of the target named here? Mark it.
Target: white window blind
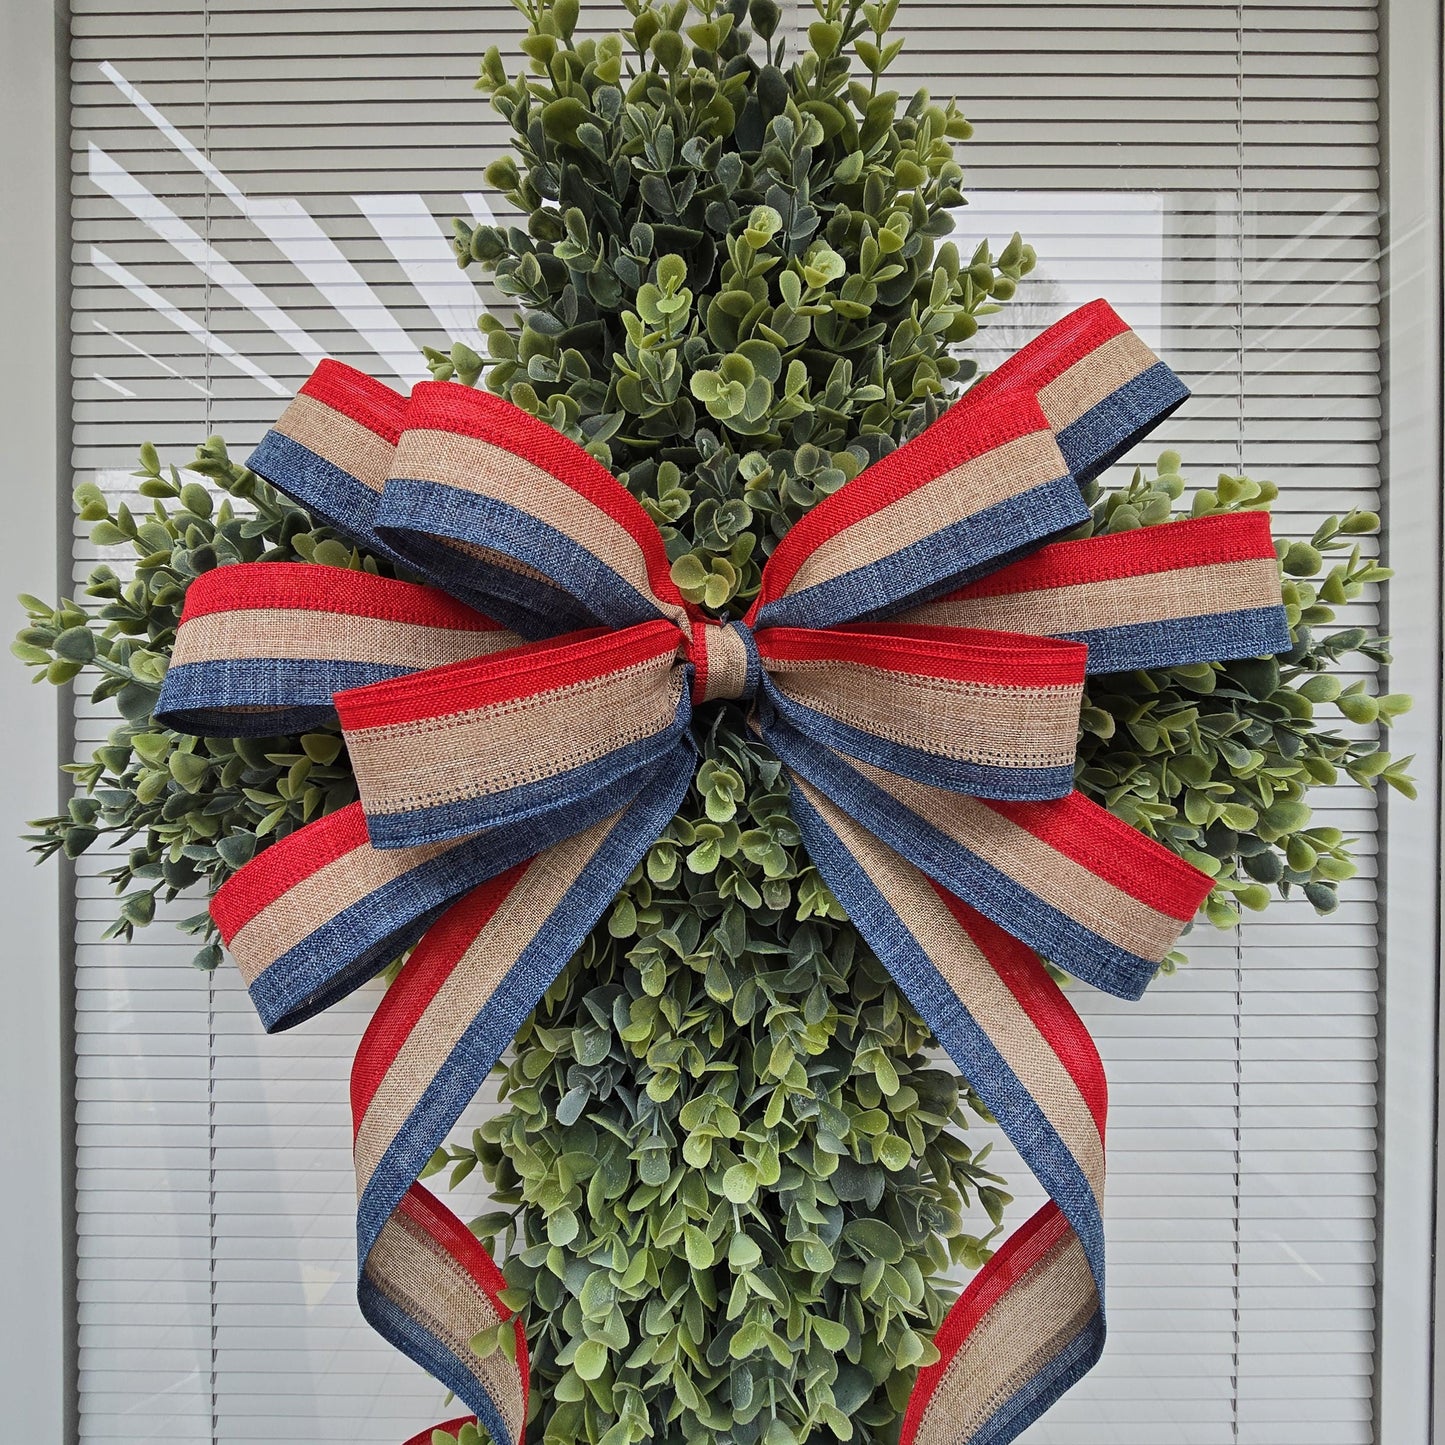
(1213, 169)
(254, 183)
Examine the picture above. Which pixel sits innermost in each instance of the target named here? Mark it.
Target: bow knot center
(725, 662)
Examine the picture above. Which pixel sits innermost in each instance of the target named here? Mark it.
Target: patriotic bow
(919, 683)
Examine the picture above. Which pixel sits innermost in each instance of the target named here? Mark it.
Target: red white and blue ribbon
(519, 731)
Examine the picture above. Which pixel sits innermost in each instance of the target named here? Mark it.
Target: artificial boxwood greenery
(729, 1174)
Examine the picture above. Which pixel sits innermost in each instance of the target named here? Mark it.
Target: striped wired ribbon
(519, 729)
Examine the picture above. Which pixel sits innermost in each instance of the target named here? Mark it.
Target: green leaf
(75, 644)
(237, 849)
(874, 1239)
(598, 1295)
(894, 1153)
(560, 119)
(743, 1252)
(590, 1360)
(1359, 707)
(323, 748)
(188, 770)
(623, 920)
(699, 1247)
(1258, 676)
(671, 273)
(1302, 560)
(138, 908)
(740, 1183)
(562, 1227)
(573, 1102)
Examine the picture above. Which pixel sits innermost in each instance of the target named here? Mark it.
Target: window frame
(38, 1358)
(1409, 1388)
(38, 1369)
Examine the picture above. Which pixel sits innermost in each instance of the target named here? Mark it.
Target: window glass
(259, 185)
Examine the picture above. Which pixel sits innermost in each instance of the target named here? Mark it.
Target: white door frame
(38, 1365)
(36, 1358)
(1409, 1393)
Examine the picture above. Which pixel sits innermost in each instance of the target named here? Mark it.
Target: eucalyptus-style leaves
(735, 282)
(1217, 760)
(191, 810)
(735, 288)
(728, 1174)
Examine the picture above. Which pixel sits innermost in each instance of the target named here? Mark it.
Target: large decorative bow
(920, 685)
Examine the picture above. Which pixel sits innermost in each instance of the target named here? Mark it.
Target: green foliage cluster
(188, 810)
(729, 1175)
(724, 1068)
(735, 284)
(1216, 760)
(723, 1073)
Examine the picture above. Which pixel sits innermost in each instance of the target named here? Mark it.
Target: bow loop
(1101, 388)
(497, 502)
(1206, 590)
(263, 647)
(331, 450)
(984, 482)
(996, 474)
(994, 714)
(476, 496)
(494, 742)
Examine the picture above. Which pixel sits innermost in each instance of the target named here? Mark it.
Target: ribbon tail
(424, 1282)
(1078, 885)
(319, 913)
(429, 1288)
(1031, 1323)
(1037, 1284)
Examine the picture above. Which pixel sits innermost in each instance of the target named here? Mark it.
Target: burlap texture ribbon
(919, 682)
